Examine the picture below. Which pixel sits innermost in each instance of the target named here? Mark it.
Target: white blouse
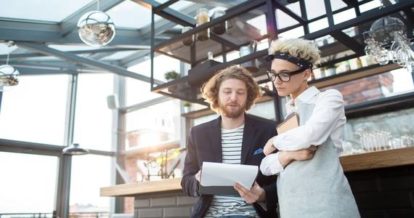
(327, 120)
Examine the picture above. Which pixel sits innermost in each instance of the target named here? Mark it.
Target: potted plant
(171, 75)
(186, 106)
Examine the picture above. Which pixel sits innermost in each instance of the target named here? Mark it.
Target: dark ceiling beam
(289, 12)
(165, 5)
(169, 13)
(27, 70)
(365, 17)
(87, 51)
(69, 24)
(49, 33)
(349, 42)
(351, 3)
(218, 3)
(85, 61)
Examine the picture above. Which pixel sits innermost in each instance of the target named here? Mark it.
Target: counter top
(365, 161)
(378, 159)
(142, 188)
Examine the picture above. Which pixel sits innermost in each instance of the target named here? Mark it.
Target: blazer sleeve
(189, 183)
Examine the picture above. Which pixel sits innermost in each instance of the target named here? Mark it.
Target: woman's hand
(269, 148)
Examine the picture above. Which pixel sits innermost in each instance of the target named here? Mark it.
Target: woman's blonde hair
(299, 48)
(210, 89)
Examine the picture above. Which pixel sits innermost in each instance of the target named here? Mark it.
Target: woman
(315, 187)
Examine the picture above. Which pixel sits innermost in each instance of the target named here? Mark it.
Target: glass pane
(93, 118)
(154, 125)
(137, 15)
(28, 183)
(375, 87)
(344, 16)
(337, 4)
(315, 10)
(204, 119)
(162, 65)
(378, 132)
(89, 174)
(51, 10)
(318, 25)
(37, 103)
(138, 91)
(264, 109)
(283, 20)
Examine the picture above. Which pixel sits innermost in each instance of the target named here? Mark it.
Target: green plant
(171, 75)
(186, 104)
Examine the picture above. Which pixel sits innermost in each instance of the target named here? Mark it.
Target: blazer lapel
(249, 133)
(214, 135)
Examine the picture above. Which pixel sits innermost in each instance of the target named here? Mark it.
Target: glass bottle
(202, 18)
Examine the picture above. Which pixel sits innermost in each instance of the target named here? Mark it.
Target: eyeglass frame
(272, 76)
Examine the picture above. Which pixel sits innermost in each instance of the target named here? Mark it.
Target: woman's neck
(299, 91)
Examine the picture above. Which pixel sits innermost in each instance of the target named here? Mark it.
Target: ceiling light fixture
(74, 149)
(8, 74)
(96, 28)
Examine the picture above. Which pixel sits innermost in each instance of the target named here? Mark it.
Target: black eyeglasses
(284, 76)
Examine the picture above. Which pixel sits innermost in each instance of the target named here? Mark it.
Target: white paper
(220, 174)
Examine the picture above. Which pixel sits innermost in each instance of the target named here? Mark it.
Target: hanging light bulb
(387, 41)
(96, 28)
(74, 149)
(8, 74)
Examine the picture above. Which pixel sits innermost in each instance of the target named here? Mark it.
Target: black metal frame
(269, 7)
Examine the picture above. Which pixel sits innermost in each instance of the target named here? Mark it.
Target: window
(28, 183)
(154, 125)
(35, 110)
(93, 118)
(392, 83)
(89, 174)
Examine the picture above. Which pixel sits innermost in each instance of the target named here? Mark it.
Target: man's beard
(231, 113)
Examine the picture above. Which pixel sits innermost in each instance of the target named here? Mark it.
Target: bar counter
(368, 174)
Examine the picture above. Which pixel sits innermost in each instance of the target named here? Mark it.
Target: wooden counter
(378, 159)
(365, 161)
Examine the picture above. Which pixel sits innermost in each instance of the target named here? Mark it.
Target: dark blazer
(204, 144)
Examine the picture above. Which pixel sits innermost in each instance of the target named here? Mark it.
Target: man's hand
(269, 148)
(198, 176)
(255, 194)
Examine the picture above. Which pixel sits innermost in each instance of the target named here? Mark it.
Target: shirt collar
(306, 96)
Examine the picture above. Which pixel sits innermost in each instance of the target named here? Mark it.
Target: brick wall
(384, 193)
(171, 204)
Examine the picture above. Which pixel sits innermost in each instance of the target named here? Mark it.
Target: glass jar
(202, 18)
(221, 27)
(187, 40)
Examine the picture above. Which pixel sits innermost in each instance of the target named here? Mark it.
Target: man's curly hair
(210, 89)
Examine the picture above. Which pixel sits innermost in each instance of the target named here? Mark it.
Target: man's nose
(233, 96)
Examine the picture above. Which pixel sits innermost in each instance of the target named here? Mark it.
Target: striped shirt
(231, 143)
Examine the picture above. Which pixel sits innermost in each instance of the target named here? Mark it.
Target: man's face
(232, 98)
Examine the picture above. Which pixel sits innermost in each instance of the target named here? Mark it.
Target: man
(236, 138)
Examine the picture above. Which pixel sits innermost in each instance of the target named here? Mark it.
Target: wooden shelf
(142, 188)
(350, 163)
(378, 159)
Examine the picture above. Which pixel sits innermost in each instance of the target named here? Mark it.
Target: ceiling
(46, 40)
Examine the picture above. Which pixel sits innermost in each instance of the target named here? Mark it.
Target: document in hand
(219, 178)
(291, 122)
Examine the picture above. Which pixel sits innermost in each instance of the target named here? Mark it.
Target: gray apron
(316, 187)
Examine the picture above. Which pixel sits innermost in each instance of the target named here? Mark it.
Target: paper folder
(291, 122)
(219, 178)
